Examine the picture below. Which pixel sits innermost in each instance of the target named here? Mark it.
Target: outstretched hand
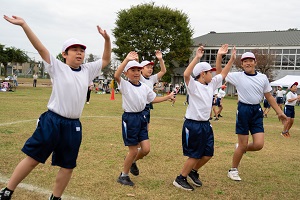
(158, 54)
(282, 117)
(223, 49)
(200, 52)
(233, 53)
(103, 33)
(132, 55)
(14, 20)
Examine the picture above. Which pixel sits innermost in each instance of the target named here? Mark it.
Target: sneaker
(134, 169)
(210, 118)
(220, 115)
(125, 180)
(234, 175)
(5, 194)
(87, 102)
(216, 119)
(194, 177)
(182, 183)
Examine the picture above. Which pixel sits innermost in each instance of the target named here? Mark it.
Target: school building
(283, 45)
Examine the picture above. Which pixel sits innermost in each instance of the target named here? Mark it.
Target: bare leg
(62, 179)
(201, 162)
(239, 152)
(145, 149)
(21, 171)
(258, 142)
(133, 150)
(188, 166)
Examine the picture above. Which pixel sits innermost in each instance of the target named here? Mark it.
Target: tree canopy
(10, 55)
(145, 28)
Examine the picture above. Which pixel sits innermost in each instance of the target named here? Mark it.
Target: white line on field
(35, 189)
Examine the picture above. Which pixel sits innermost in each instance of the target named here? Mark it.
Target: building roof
(264, 38)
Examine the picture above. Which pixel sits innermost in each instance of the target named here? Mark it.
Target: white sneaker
(234, 175)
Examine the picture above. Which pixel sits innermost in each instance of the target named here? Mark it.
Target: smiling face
(294, 88)
(74, 56)
(249, 65)
(147, 71)
(133, 74)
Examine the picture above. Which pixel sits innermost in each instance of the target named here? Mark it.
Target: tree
(10, 55)
(145, 28)
(265, 62)
(60, 57)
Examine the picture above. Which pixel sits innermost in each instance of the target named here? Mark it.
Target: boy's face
(249, 65)
(294, 88)
(206, 76)
(133, 74)
(147, 71)
(74, 56)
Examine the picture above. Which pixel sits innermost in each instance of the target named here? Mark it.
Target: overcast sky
(55, 21)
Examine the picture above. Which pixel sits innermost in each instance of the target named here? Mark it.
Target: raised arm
(36, 43)
(189, 70)
(222, 51)
(163, 69)
(107, 47)
(130, 56)
(229, 64)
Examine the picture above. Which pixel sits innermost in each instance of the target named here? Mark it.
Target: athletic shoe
(216, 119)
(210, 118)
(220, 115)
(182, 183)
(194, 177)
(134, 169)
(5, 194)
(125, 180)
(234, 175)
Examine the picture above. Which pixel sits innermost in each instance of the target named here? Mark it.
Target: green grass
(272, 173)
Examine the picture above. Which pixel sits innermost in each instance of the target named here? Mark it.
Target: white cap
(131, 64)
(202, 67)
(146, 62)
(72, 42)
(248, 55)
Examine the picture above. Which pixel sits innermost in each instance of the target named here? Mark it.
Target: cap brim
(247, 58)
(213, 69)
(84, 47)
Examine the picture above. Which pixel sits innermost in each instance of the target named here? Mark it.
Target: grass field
(272, 173)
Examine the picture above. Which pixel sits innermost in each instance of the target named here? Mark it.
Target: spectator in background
(35, 76)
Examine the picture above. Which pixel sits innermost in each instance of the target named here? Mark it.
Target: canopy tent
(286, 81)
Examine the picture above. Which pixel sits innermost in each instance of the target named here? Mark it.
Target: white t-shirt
(149, 81)
(69, 86)
(250, 88)
(200, 98)
(280, 93)
(135, 98)
(291, 95)
(221, 93)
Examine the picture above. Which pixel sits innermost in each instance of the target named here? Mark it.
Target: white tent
(286, 81)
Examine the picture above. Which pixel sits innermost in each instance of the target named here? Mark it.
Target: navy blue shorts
(146, 112)
(57, 135)
(218, 102)
(214, 103)
(249, 118)
(266, 104)
(197, 139)
(279, 100)
(134, 128)
(289, 111)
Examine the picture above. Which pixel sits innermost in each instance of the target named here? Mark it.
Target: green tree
(60, 57)
(145, 28)
(10, 55)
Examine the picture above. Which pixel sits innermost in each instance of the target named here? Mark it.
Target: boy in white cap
(135, 96)
(280, 96)
(251, 87)
(197, 133)
(289, 108)
(59, 130)
(149, 80)
(221, 94)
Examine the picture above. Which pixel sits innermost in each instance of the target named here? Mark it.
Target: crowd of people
(62, 120)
